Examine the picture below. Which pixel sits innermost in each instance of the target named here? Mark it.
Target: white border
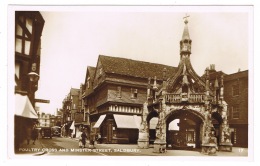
(4, 68)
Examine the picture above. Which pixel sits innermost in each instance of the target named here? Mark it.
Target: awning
(127, 121)
(72, 126)
(100, 120)
(24, 108)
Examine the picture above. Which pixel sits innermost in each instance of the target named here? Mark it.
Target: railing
(184, 97)
(173, 98)
(194, 98)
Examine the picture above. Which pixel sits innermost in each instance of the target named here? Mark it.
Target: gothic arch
(193, 112)
(190, 128)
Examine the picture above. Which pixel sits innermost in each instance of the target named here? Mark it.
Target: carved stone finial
(155, 84)
(216, 83)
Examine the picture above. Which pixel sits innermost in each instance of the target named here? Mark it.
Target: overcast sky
(73, 38)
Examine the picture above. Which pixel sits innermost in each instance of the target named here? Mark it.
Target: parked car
(56, 131)
(46, 132)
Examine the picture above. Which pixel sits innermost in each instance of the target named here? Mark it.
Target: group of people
(31, 134)
(83, 139)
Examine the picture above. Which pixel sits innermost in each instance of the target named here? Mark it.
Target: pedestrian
(28, 134)
(80, 143)
(34, 134)
(83, 138)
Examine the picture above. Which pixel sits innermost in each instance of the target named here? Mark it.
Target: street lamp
(34, 77)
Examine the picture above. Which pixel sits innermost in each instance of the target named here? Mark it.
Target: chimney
(212, 67)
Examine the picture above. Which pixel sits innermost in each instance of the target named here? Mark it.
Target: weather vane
(186, 18)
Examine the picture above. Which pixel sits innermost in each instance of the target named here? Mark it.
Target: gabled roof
(74, 91)
(237, 75)
(129, 67)
(91, 71)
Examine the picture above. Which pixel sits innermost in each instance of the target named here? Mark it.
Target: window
(119, 91)
(23, 35)
(133, 93)
(235, 112)
(235, 90)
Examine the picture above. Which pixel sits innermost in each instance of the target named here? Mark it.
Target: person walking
(28, 134)
(83, 138)
(34, 134)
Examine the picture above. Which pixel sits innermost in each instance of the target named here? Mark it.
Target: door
(109, 131)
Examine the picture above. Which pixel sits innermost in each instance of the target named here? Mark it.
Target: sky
(74, 37)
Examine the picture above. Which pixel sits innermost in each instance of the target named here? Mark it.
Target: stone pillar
(225, 135)
(143, 137)
(209, 141)
(160, 141)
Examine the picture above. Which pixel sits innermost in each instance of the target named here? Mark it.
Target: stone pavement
(236, 151)
(38, 149)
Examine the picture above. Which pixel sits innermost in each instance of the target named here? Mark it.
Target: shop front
(116, 128)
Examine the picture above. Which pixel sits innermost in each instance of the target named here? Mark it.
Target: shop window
(235, 112)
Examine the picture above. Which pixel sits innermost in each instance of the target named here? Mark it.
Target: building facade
(114, 95)
(45, 120)
(73, 112)
(28, 32)
(236, 96)
(129, 101)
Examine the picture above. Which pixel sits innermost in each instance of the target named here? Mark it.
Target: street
(69, 146)
(60, 146)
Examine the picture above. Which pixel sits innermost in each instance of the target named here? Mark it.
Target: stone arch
(151, 126)
(217, 121)
(190, 128)
(194, 112)
(151, 115)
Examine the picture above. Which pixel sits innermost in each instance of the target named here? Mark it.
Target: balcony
(184, 97)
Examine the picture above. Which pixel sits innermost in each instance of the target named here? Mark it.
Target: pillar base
(225, 147)
(143, 141)
(159, 146)
(143, 144)
(209, 149)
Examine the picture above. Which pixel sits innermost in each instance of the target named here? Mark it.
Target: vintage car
(46, 132)
(56, 131)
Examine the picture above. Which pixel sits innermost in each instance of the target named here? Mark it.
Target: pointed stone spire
(155, 84)
(207, 78)
(222, 88)
(186, 34)
(216, 84)
(149, 88)
(185, 43)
